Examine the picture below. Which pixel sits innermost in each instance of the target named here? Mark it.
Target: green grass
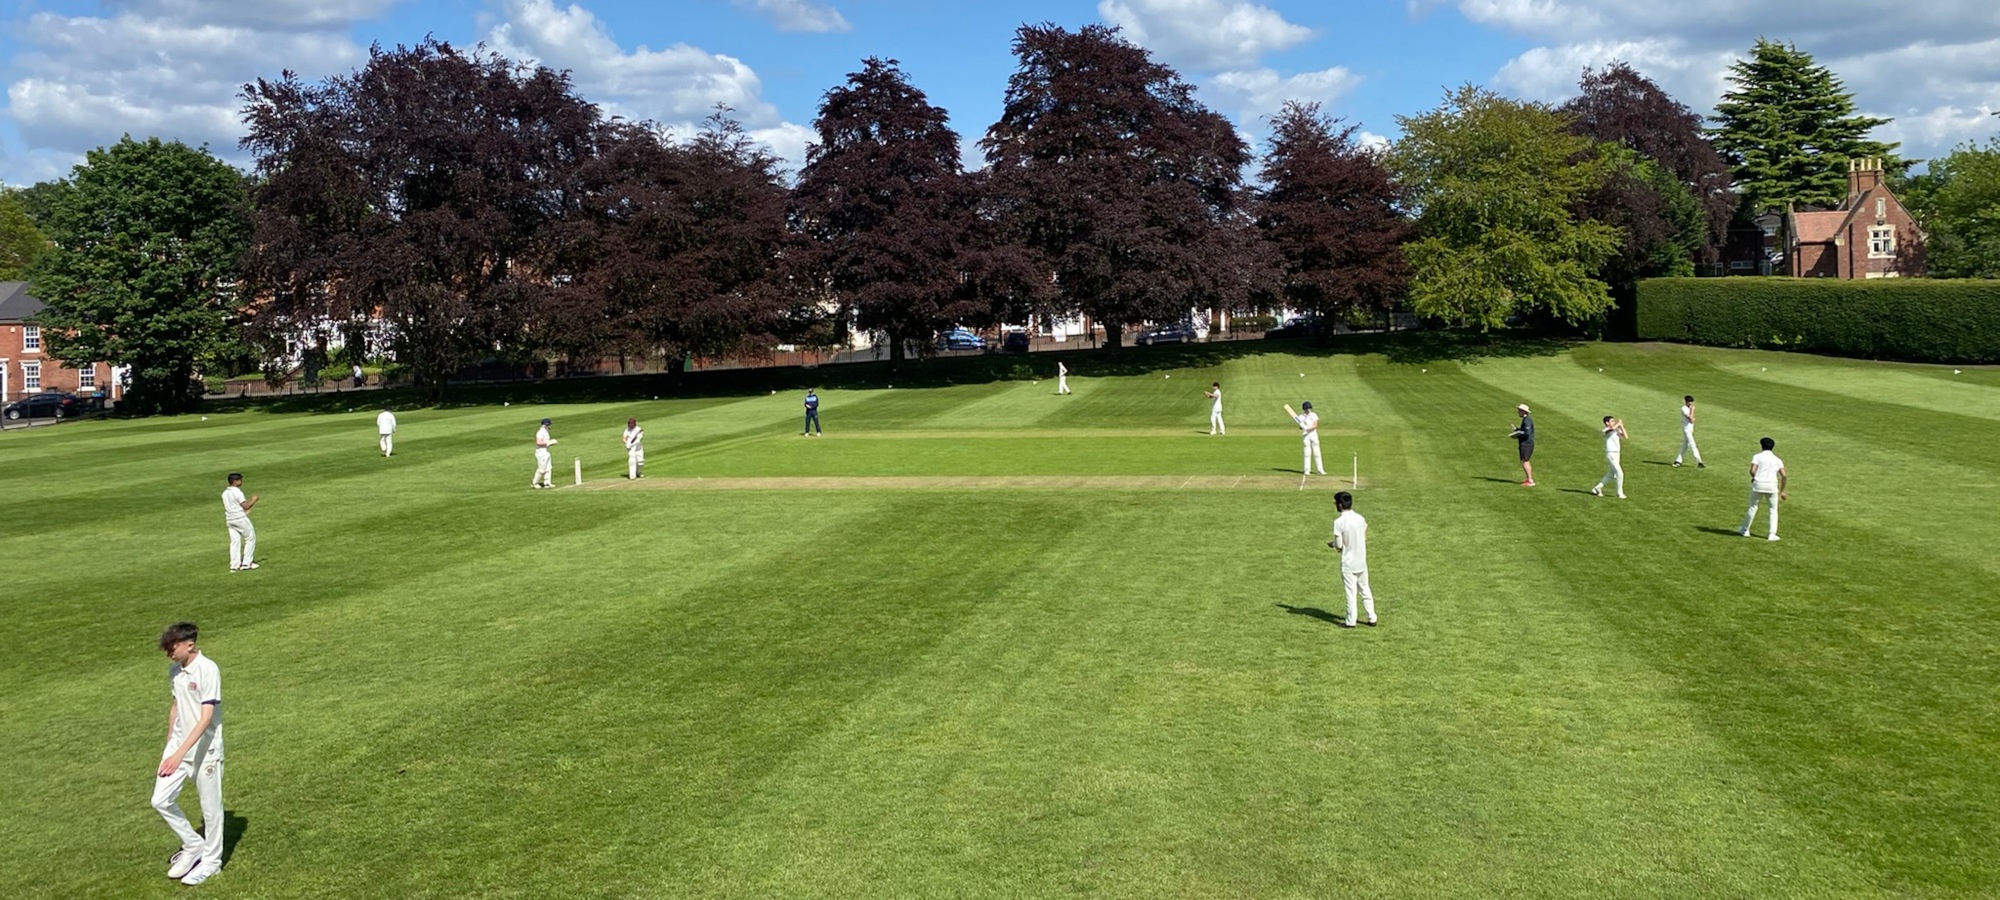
(443, 684)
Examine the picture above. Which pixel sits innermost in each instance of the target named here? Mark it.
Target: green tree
(1788, 128)
(147, 236)
(1495, 182)
(1958, 204)
(20, 241)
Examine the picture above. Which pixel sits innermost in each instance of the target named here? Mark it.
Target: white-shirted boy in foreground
(385, 429)
(1687, 435)
(236, 515)
(1350, 537)
(544, 463)
(1614, 474)
(194, 750)
(1767, 482)
(635, 449)
(1214, 392)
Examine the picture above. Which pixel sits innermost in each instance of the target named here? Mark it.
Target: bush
(1919, 320)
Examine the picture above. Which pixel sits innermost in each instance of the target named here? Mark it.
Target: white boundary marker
(579, 470)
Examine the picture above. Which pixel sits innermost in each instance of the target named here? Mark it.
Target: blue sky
(79, 74)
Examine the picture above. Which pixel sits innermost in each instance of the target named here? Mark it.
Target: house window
(86, 378)
(31, 339)
(1881, 242)
(31, 376)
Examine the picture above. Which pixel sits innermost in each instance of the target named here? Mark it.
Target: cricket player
(1215, 412)
(635, 450)
(812, 413)
(1687, 434)
(1614, 474)
(1767, 482)
(236, 515)
(544, 463)
(385, 429)
(1308, 422)
(1525, 434)
(1062, 378)
(1350, 537)
(194, 750)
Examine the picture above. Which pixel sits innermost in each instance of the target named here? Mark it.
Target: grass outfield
(983, 641)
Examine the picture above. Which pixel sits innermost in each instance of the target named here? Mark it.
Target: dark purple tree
(1620, 106)
(886, 211)
(1329, 210)
(420, 189)
(1128, 191)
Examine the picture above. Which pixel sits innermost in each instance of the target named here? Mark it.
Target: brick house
(26, 367)
(1870, 235)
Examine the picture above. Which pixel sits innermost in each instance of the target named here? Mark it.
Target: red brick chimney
(1863, 174)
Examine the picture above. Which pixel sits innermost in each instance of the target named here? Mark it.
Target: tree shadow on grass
(1313, 612)
(1403, 347)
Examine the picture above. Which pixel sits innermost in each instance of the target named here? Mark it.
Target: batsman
(1308, 422)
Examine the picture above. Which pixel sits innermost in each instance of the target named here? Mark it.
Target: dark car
(51, 404)
(1296, 326)
(1014, 342)
(1179, 333)
(962, 339)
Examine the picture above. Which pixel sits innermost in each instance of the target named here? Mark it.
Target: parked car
(961, 339)
(1296, 326)
(51, 403)
(1014, 342)
(1177, 333)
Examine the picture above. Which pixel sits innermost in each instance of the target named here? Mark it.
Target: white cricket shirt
(1611, 440)
(232, 504)
(1764, 472)
(1350, 533)
(1687, 417)
(1218, 400)
(1309, 424)
(633, 436)
(542, 438)
(385, 423)
(193, 687)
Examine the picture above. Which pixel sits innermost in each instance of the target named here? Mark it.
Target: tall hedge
(1920, 320)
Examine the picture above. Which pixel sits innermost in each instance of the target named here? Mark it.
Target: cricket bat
(1289, 413)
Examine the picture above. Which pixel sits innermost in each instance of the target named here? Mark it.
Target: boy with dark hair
(1350, 537)
(1687, 434)
(236, 515)
(194, 750)
(1767, 483)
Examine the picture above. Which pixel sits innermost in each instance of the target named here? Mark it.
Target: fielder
(236, 515)
(1767, 482)
(194, 750)
(1614, 474)
(1687, 434)
(1308, 422)
(1062, 378)
(1215, 412)
(544, 463)
(635, 450)
(812, 413)
(385, 429)
(1350, 537)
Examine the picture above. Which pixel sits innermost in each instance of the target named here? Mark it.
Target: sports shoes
(1745, 532)
(182, 862)
(1621, 496)
(202, 872)
(1597, 491)
(249, 565)
(1370, 623)
(1347, 624)
(1677, 464)
(1529, 483)
(1772, 538)
(1701, 465)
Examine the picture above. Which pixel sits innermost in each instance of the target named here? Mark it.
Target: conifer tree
(1788, 128)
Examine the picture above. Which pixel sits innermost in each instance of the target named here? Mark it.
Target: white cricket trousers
(1215, 423)
(633, 460)
(1062, 384)
(388, 444)
(1614, 474)
(1755, 497)
(242, 543)
(1313, 461)
(1357, 585)
(1687, 446)
(544, 467)
(207, 777)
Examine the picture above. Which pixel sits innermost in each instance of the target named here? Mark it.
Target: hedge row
(1914, 319)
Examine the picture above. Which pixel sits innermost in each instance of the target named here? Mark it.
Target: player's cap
(1306, 405)
(1521, 406)
(547, 422)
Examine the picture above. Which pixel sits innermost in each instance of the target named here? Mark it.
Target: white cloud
(167, 68)
(1258, 93)
(1204, 35)
(798, 15)
(1931, 65)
